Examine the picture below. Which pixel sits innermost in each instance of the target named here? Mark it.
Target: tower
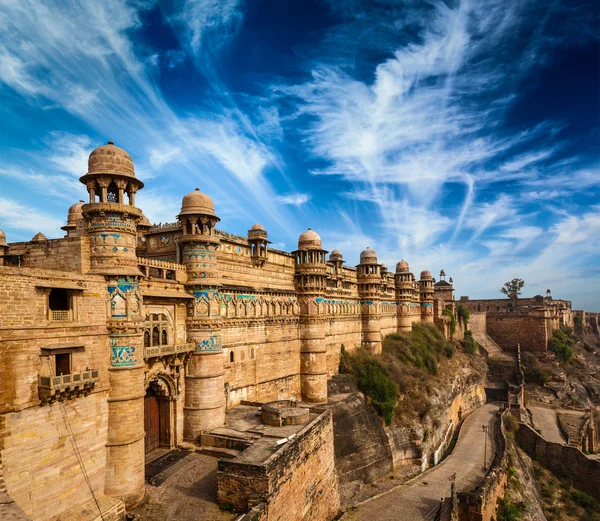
(369, 286)
(75, 221)
(257, 238)
(205, 380)
(426, 297)
(311, 283)
(110, 223)
(404, 285)
(3, 247)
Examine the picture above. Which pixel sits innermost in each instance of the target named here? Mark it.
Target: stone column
(204, 383)
(125, 461)
(313, 354)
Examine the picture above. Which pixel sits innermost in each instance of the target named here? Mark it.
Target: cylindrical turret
(369, 287)
(257, 238)
(311, 283)
(75, 221)
(426, 296)
(404, 283)
(110, 222)
(205, 379)
(3, 247)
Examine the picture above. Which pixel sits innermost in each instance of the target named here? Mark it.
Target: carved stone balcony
(67, 386)
(167, 350)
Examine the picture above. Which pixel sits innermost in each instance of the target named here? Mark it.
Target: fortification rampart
(296, 483)
(563, 460)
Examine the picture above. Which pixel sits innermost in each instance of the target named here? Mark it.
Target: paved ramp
(494, 351)
(546, 423)
(419, 499)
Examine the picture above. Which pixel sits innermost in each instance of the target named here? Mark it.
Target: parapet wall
(511, 329)
(297, 483)
(480, 503)
(563, 460)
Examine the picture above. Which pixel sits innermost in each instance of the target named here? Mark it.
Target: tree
(512, 290)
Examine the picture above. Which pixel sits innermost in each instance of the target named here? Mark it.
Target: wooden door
(151, 421)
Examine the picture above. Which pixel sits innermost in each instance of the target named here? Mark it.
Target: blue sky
(461, 135)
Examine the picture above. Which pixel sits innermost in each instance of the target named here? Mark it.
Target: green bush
(448, 313)
(421, 347)
(584, 500)
(345, 366)
(578, 324)
(468, 343)
(373, 380)
(511, 424)
(561, 344)
(508, 511)
(464, 314)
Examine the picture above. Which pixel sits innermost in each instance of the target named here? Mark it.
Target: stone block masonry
(563, 460)
(297, 483)
(512, 329)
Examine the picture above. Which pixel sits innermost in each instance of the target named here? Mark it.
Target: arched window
(146, 338)
(163, 338)
(155, 336)
(251, 353)
(231, 357)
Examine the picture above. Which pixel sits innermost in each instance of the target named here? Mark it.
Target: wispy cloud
(293, 199)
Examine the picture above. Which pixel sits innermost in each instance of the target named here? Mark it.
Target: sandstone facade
(124, 336)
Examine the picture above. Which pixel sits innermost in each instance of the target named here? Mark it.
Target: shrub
(561, 344)
(508, 511)
(464, 314)
(584, 500)
(448, 313)
(468, 343)
(373, 380)
(578, 321)
(421, 347)
(345, 366)
(511, 424)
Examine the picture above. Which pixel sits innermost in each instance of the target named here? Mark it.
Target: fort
(125, 336)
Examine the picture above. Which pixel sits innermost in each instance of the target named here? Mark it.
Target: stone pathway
(546, 423)
(418, 499)
(494, 351)
(188, 495)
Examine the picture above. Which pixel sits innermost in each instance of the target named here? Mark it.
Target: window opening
(62, 364)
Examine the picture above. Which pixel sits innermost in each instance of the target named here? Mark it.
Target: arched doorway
(151, 420)
(158, 416)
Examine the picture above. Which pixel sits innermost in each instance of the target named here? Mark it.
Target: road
(417, 499)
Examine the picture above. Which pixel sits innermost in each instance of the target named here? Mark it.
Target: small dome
(402, 267)
(145, 222)
(75, 213)
(368, 256)
(197, 203)
(109, 159)
(2, 238)
(309, 240)
(335, 256)
(39, 237)
(426, 274)
(258, 226)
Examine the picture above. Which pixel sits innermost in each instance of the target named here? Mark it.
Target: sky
(462, 135)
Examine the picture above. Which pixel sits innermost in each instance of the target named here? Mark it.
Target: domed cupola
(311, 270)
(199, 240)
(110, 220)
(74, 226)
(257, 238)
(197, 203)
